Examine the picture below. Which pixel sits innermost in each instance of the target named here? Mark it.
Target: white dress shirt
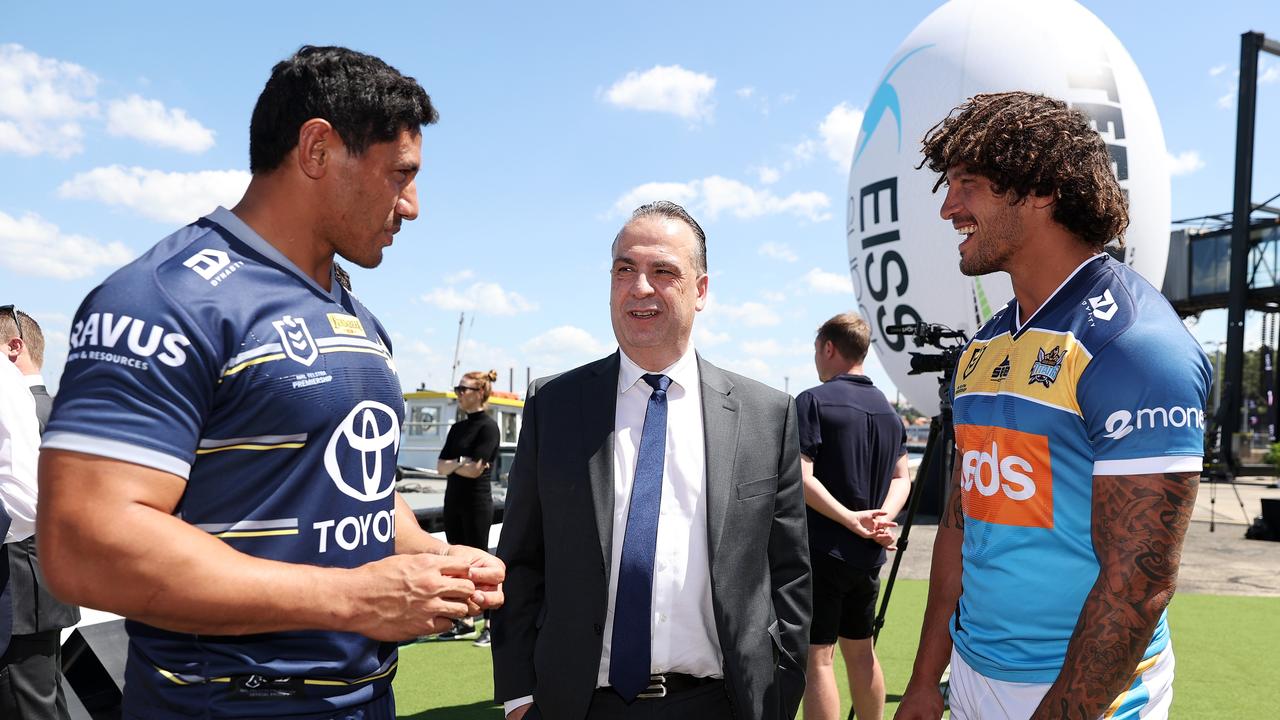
(683, 626)
(684, 629)
(19, 452)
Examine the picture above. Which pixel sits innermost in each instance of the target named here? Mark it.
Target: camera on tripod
(931, 334)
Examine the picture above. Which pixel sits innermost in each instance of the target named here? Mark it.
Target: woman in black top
(467, 458)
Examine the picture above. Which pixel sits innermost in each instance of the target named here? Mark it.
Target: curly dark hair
(1029, 144)
(366, 100)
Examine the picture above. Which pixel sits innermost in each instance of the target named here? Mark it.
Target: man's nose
(407, 203)
(641, 287)
(950, 206)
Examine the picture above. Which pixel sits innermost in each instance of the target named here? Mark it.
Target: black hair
(365, 100)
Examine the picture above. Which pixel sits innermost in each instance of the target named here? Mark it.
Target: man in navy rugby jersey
(220, 463)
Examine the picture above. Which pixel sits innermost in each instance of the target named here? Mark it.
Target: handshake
(406, 596)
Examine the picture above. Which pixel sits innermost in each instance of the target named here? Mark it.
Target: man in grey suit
(654, 530)
(30, 669)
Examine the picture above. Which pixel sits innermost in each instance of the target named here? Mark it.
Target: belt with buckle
(664, 684)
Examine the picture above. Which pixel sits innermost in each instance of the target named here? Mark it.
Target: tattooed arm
(1139, 522)
(922, 698)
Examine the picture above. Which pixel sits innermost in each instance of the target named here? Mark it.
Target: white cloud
(169, 197)
(704, 336)
(1185, 163)
(665, 88)
(751, 314)
(1228, 100)
(774, 296)
(41, 102)
(561, 348)
(745, 92)
(778, 251)
(715, 195)
(33, 246)
(725, 195)
(477, 355)
(821, 281)
(681, 193)
(482, 297)
(1268, 71)
(566, 339)
(803, 151)
(1217, 70)
(460, 276)
(768, 175)
(754, 368)
(766, 348)
(839, 131)
(151, 122)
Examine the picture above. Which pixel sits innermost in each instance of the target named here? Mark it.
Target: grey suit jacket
(558, 528)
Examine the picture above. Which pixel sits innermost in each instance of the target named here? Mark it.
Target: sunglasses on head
(13, 310)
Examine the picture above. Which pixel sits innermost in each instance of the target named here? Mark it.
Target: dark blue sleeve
(139, 378)
(810, 424)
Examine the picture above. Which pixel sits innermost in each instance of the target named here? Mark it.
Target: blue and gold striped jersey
(1103, 379)
(212, 357)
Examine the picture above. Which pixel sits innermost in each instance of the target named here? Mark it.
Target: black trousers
(707, 702)
(30, 681)
(467, 519)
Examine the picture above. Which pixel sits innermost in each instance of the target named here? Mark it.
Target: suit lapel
(720, 424)
(599, 402)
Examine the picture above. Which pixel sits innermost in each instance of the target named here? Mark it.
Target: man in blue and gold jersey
(220, 464)
(1079, 414)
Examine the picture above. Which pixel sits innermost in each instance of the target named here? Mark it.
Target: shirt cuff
(510, 705)
(1150, 466)
(116, 450)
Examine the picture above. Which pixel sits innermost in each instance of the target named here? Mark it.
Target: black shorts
(844, 601)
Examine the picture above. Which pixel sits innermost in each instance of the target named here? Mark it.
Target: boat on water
(428, 416)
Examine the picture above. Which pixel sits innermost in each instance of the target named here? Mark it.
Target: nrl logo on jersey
(1046, 367)
(973, 362)
(296, 339)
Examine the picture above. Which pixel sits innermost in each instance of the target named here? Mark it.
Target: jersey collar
(1043, 309)
(250, 237)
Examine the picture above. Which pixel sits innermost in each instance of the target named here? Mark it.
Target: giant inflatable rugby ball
(901, 253)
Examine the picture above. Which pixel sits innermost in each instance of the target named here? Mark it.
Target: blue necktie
(632, 611)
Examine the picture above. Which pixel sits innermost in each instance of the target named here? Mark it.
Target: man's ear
(1042, 202)
(13, 348)
(317, 143)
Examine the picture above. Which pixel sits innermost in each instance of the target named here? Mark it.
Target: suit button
(598, 628)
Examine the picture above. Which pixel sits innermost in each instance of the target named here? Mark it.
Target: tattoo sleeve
(1139, 522)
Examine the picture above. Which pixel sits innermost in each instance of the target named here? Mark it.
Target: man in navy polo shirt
(856, 481)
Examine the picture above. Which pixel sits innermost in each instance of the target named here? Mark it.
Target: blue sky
(120, 123)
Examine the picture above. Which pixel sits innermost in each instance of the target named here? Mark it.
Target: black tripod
(938, 454)
(1220, 467)
(939, 451)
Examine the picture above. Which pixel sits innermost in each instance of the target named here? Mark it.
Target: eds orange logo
(1005, 477)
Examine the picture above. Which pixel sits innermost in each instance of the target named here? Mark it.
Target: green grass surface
(1226, 650)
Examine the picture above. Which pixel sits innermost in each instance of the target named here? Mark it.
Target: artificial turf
(1227, 650)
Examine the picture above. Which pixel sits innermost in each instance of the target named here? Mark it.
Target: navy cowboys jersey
(214, 358)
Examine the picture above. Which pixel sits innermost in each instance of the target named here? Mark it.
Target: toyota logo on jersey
(368, 432)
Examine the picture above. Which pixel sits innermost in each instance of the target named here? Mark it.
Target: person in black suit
(654, 528)
(31, 686)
